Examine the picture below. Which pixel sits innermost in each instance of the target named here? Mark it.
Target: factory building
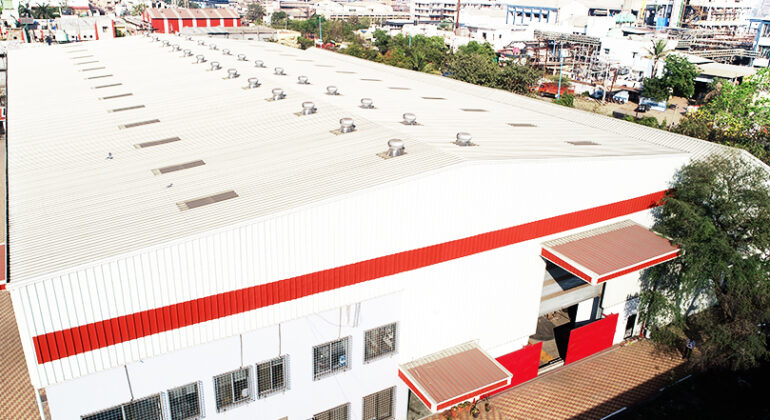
(169, 21)
(229, 229)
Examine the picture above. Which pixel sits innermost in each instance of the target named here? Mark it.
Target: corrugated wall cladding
(136, 306)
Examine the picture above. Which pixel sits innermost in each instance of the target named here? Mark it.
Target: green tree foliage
(565, 100)
(518, 78)
(656, 89)
(255, 12)
(381, 41)
(305, 43)
(484, 50)
(25, 10)
(717, 291)
(138, 9)
(45, 11)
(736, 115)
(278, 18)
(679, 75)
(473, 68)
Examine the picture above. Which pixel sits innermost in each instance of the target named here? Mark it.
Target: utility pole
(320, 32)
(561, 66)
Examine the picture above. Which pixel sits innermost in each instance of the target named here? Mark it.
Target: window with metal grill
(337, 413)
(379, 342)
(143, 409)
(331, 358)
(184, 402)
(271, 376)
(233, 389)
(379, 406)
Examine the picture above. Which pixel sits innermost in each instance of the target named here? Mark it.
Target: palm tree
(657, 51)
(24, 10)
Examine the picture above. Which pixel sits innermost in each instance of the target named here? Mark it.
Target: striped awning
(610, 251)
(454, 375)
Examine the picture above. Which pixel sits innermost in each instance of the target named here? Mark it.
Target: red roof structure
(172, 20)
(610, 251)
(452, 376)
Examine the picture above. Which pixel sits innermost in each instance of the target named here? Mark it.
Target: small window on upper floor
(146, 409)
(331, 358)
(271, 376)
(184, 402)
(233, 389)
(379, 342)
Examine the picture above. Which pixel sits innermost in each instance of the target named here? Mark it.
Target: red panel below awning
(610, 251)
(452, 376)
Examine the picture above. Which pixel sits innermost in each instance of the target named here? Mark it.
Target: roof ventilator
(175, 48)
(409, 119)
(253, 83)
(215, 65)
(463, 139)
(188, 38)
(155, 39)
(278, 94)
(225, 52)
(200, 59)
(165, 43)
(396, 147)
(201, 42)
(332, 90)
(346, 125)
(259, 63)
(279, 71)
(308, 108)
(186, 53)
(241, 57)
(232, 73)
(213, 47)
(302, 80)
(367, 103)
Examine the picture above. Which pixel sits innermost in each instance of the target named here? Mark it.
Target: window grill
(233, 389)
(379, 406)
(331, 358)
(271, 376)
(143, 409)
(379, 342)
(337, 413)
(184, 402)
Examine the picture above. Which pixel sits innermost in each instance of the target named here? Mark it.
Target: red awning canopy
(610, 251)
(452, 376)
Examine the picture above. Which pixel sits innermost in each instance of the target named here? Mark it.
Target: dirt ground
(672, 115)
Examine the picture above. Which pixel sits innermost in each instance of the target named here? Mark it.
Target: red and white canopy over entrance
(609, 251)
(454, 375)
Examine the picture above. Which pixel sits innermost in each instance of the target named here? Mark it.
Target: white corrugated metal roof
(70, 205)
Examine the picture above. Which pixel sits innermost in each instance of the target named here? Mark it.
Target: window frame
(234, 403)
(198, 389)
(331, 371)
(381, 355)
(316, 416)
(376, 395)
(122, 408)
(284, 359)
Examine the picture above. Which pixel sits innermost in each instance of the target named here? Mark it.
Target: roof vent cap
(241, 57)
(463, 139)
(259, 63)
(215, 65)
(186, 53)
(188, 38)
(367, 103)
(332, 90)
(165, 43)
(176, 47)
(253, 82)
(201, 42)
(225, 52)
(410, 119)
(302, 80)
(213, 47)
(346, 125)
(232, 73)
(155, 39)
(396, 147)
(200, 58)
(279, 71)
(278, 94)
(308, 108)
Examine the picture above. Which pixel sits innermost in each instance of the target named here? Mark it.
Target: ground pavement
(590, 388)
(17, 397)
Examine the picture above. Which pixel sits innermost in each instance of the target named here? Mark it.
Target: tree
(657, 52)
(679, 75)
(473, 68)
(138, 9)
(255, 12)
(278, 17)
(25, 10)
(567, 100)
(717, 291)
(305, 43)
(474, 47)
(518, 78)
(381, 40)
(656, 89)
(45, 11)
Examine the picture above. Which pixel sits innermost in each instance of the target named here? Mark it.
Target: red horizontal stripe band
(415, 390)
(158, 320)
